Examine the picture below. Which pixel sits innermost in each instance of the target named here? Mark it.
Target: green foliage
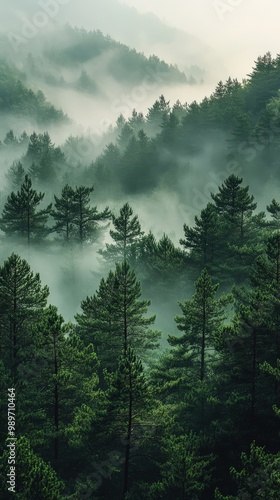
(126, 235)
(43, 159)
(86, 217)
(16, 98)
(202, 319)
(20, 215)
(22, 300)
(15, 175)
(114, 319)
(34, 477)
(64, 212)
(124, 64)
(185, 473)
(259, 478)
(235, 207)
(202, 240)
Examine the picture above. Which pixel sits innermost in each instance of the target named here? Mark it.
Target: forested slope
(108, 406)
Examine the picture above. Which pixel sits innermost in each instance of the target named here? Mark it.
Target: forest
(112, 400)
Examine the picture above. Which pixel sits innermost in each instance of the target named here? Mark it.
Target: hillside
(17, 99)
(238, 124)
(91, 62)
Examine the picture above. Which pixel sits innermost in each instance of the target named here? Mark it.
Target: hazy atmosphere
(139, 250)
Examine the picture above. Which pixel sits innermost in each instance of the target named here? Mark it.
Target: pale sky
(226, 38)
(239, 30)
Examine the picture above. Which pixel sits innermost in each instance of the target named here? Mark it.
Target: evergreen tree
(251, 340)
(85, 217)
(22, 301)
(70, 380)
(128, 398)
(34, 477)
(114, 318)
(125, 136)
(136, 121)
(202, 240)
(156, 114)
(10, 139)
(235, 207)
(203, 318)
(20, 215)
(126, 235)
(63, 378)
(15, 175)
(184, 471)
(259, 477)
(274, 210)
(43, 158)
(63, 213)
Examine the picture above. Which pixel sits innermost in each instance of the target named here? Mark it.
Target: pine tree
(126, 234)
(128, 398)
(168, 266)
(15, 175)
(70, 376)
(63, 213)
(22, 300)
(86, 217)
(43, 172)
(251, 340)
(203, 318)
(10, 139)
(34, 477)
(114, 319)
(185, 471)
(235, 206)
(274, 210)
(20, 215)
(157, 114)
(202, 240)
(42, 158)
(259, 477)
(126, 134)
(63, 378)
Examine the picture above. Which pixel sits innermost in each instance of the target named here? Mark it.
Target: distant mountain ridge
(17, 99)
(86, 60)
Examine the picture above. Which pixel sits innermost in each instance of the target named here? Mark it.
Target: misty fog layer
(140, 250)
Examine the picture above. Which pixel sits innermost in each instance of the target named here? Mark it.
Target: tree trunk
(128, 439)
(56, 419)
(253, 389)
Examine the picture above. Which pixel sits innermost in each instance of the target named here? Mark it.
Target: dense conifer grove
(107, 405)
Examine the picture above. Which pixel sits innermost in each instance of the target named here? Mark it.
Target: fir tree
(201, 241)
(34, 477)
(235, 206)
(22, 300)
(85, 218)
(115, 318)
(63, 213)
(15, 175)
(129, 397)
(126, 234)
(274, 210)
(20, 215)
(202, 319)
